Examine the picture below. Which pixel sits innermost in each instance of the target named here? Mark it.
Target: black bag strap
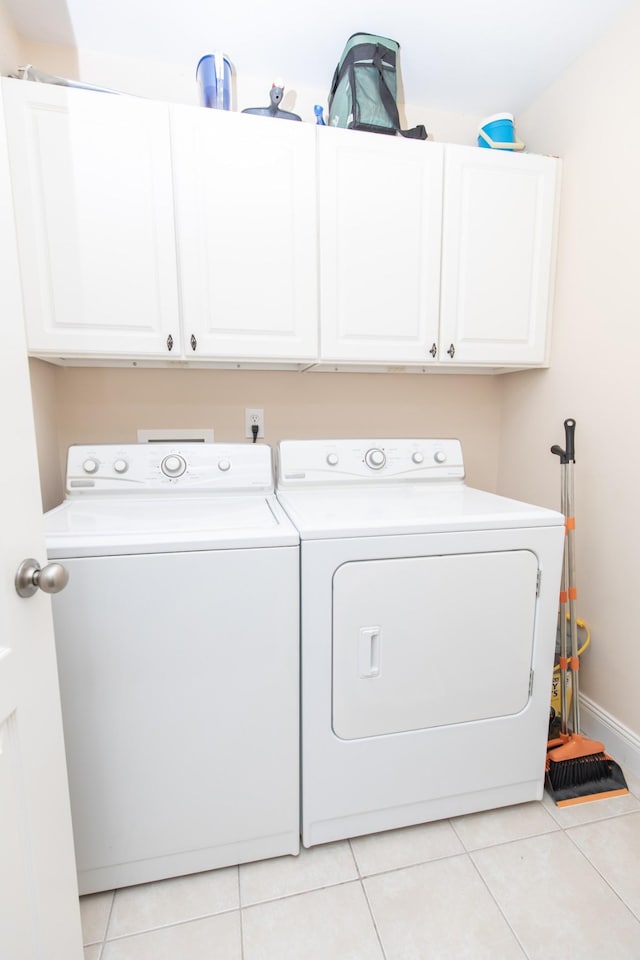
(378, 54)
(388, 100)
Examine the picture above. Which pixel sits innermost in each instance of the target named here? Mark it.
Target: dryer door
(430, 641)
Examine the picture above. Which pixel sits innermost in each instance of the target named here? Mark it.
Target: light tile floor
(531, 881)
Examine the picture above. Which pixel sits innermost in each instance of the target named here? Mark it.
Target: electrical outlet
(253, 417)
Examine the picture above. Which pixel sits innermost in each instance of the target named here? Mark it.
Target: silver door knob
(30, 576)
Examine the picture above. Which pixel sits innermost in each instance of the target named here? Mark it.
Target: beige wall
(109, 405)
(11, 48)
(589, 118)
(45, 414)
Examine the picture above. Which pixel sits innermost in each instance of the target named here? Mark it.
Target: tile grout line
(106, 926)
(600, 874)
(366, 897)
(500, 910)
(240, 916)
(168, 926)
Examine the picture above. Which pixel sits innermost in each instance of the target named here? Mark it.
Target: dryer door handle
(369, 652)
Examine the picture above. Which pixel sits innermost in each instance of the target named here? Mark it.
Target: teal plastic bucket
(498, 128)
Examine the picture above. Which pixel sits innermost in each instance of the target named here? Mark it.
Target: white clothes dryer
(178, 654)
(428, 625)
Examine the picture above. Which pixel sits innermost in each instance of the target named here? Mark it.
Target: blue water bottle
(213, 74)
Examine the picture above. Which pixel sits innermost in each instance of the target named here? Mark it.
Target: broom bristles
(578, 769)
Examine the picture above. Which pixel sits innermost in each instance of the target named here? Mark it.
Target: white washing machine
(178, 654)
(428, 624)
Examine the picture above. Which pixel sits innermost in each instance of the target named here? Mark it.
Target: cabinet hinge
(530, 682)
(538, 579)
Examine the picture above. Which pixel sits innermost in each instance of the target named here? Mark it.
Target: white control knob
(332, 459)
(90, 465)
(120, 466)
(417, 457)
(224, 465)
(439, 456)
(375, 458)
(173, 465)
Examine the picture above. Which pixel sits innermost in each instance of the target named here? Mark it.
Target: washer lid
(128, 525)
(361, 511)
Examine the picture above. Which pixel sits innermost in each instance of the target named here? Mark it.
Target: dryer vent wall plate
(175, 436)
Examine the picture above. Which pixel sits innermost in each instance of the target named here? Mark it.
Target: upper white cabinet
(157, 233)
(433, 254)
(380, 210)
(497, 256)
(245, 201)
(91, 177)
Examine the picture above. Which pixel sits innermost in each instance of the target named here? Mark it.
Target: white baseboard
(620, 742)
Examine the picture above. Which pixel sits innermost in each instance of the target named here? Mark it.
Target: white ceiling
(467, 56)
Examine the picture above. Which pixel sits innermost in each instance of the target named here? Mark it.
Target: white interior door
(39, 914)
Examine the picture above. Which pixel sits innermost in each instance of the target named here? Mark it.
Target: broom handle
(570, 428)
(564, 582)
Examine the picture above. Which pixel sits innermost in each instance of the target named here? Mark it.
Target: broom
(577, 769)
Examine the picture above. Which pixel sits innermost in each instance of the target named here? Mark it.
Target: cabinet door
(91, 178)
(246, 228)
(497, 254)
(380, 204)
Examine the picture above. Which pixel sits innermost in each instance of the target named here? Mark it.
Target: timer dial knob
(375, 458)
(439, 456)
(173, 465)
(417, 457)
(224, 465)
(120, 466)
(332, 459)
(90, 465)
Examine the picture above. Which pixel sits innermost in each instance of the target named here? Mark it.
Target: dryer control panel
(306, 462)
(189, 468)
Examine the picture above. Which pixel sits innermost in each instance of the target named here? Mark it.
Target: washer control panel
(305, 462)
(194, 468)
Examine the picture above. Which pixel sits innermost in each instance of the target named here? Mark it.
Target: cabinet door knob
(169, 343)
(193, 342)
(433, 350)
(451, 351)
